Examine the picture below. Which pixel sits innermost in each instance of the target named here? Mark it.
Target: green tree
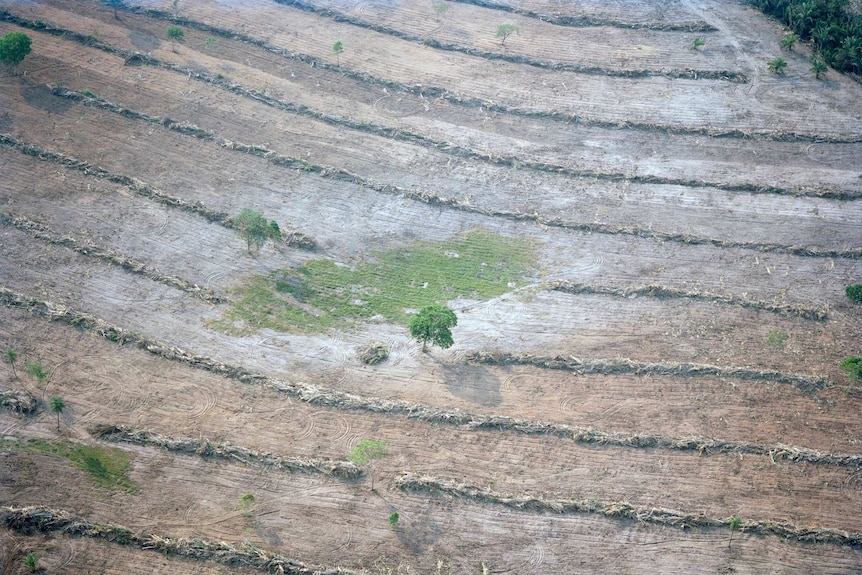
(854, 293)
(777, 66)
(393, 519)
(853, 366)
(818, 66)
(11, 354)
(506, 30)
(734, 523)
(365, 452)
(439, 7)
(337, 49)
(789, 40)
(696, 43)
(14, 47)
(115, 4)
(253, 227)
(175, 34)
(433, 324)
(36, 370)
(57, 406)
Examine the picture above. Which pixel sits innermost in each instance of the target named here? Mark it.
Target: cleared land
(646, 245)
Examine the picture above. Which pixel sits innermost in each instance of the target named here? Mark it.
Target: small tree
(506, 30)
(57, 406)
(11, 354)
(439, 7)
(818, 66)
(777, 66)
(253, 227)
(788, 41)
(433, 324)
(854, 293)
(365, 452)
(175, 34)
(735, 523)
(696, 43)
(115, 4)
(393, 519)
(14, 47)
(36, 370)
(337, 49)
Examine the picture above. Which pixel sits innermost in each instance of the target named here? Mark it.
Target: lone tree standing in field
(175, 34)
(14, 47)
(337, 49)
(433, 324)
(365, 452)
(506, 30)
(57, 406)
(11, 354)
(255, 229)
(115, 4)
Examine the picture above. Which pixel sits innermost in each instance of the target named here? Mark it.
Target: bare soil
(628, 160)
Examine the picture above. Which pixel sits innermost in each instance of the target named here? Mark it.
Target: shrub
(854, 293)
(175, 34)
(36, 370)
(31, 562)
(853, 366)
(14, 47)
(393, 519)
(776, 338)
(696, 43)
(246, 503)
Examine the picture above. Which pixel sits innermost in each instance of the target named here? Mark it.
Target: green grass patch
(389, 285)
(107, 466)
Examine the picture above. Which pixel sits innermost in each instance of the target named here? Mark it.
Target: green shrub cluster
(834, 31)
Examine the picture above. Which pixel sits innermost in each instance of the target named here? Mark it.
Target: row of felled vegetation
(832, 29)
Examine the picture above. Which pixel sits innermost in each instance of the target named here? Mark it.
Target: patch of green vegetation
(107, 466)
(776, 338)
(390, 285)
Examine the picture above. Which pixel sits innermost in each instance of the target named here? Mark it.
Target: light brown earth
(623, 168)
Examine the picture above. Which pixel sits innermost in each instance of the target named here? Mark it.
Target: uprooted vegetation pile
(204, 448)
(19, 401)
(32, 520)
(806, 383)
(625, 510)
